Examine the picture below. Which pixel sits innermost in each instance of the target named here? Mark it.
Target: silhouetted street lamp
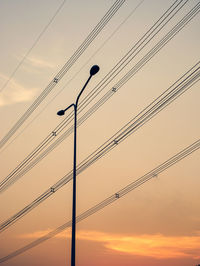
(93, 71)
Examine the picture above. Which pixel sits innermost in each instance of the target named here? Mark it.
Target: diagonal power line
(114, 197)
(93, 34)
(76, 74)
(32, 159)
(168, 96)
(106, 80)
(33, 45)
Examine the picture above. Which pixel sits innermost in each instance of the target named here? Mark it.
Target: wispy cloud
(33, 62)
(38, 62)
(156, 246)
(15, 93)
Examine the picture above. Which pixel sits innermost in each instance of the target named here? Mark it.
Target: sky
(159, 222)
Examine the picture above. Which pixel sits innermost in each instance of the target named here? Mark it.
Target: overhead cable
(75, 75)
(168, 96)
(114, 197)
(38, 154)
(33, 158)
(33, 45)
(111, 12)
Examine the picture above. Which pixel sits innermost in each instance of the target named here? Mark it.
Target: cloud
(156, 246)
(15, 93)
(38, 62)
(32, 62)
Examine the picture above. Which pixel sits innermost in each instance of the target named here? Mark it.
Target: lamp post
(93, 71)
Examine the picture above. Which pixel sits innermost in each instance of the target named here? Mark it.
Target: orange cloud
(156, 246)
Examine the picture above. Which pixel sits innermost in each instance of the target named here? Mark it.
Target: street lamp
(93, 71)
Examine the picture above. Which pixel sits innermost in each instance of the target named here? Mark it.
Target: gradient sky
(157, 224)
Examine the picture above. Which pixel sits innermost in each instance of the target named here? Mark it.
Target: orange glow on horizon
(156, 246)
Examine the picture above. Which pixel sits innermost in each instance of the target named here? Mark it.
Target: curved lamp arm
(62, 112)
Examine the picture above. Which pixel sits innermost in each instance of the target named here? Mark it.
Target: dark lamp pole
(93, 71)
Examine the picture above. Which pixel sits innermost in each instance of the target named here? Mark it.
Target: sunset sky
(157, 224)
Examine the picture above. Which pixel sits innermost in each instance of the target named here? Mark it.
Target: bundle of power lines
(111, 12)
(184, 83)
(116, 196)
(39, 152)
(168, 96)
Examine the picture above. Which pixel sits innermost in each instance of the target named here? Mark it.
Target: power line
(111, 12)
(33, 45)
(168, 96)
(58, 140)
(98, 88)
(114, 197)
(75, 75)
(178, 27)
(30, 162)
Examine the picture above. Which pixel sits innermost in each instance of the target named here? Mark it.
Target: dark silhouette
(93, 71)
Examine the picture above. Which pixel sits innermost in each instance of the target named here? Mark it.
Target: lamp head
(61, 112)
(94, 70)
